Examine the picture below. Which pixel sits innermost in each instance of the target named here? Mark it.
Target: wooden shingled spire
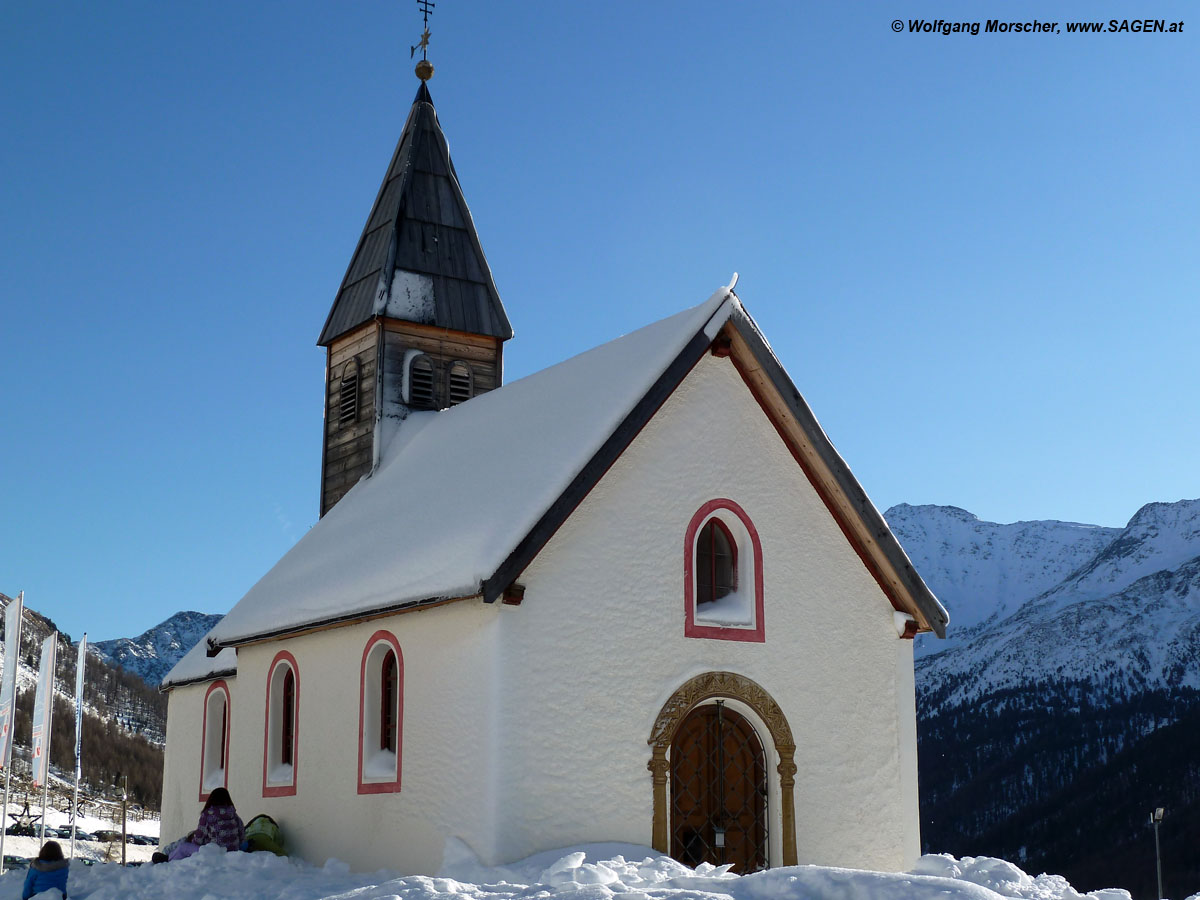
(417, 323)
(420, 223)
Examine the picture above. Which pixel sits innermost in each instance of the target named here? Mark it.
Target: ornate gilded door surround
(730, 686)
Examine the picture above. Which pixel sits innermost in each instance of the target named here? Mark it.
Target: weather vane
(424, 67)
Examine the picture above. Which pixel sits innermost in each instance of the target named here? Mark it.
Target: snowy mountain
(154, 652)
(983, 571)
(123, 718)
(1065, 701)
(1116, 608)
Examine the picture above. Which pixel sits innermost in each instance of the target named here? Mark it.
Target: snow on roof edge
(196, 665)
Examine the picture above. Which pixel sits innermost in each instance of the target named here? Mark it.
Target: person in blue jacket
(49, 870)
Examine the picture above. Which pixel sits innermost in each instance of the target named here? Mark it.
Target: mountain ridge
(1072, 685)
(1119, 606)
(153, 653)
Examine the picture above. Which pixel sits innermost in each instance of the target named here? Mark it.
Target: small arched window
(389, 690)
(420, 383)
(460, 383)
(347, 408)
(214, 747)
(716, 562)
(723, 582)
(280, 743)
(288, 744)
(381, 715)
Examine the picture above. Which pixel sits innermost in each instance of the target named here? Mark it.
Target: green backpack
(262, 833)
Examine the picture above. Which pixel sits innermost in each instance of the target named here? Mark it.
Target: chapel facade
(659, 610)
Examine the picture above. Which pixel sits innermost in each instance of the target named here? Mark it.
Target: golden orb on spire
(424, 70)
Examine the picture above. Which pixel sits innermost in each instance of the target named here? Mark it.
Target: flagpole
(78, 736)
(45, 694)
(46, 775)
(8, 692)
(45, 797)
(7, 781)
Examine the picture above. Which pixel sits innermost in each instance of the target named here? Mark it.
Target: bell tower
(417, 323)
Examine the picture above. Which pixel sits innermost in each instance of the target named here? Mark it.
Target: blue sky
(976, 255)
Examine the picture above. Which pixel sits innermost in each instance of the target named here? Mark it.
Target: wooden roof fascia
(400, 326)
(215, 647)
(596, 467)
(845, 498)
(324, 340)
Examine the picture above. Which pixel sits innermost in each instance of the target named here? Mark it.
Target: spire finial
(424, 67)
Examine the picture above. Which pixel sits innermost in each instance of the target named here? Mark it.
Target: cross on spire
(426, 8)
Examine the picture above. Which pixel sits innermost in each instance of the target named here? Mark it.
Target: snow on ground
(589, 872)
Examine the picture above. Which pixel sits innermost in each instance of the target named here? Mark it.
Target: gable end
(837, 487)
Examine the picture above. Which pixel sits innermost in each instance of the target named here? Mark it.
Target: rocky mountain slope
(983, 571)
(123, 725)
(1118, 608)
(151, 654)
(1068, 688)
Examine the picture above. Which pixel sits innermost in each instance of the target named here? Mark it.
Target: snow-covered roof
(464, 498)
(197, 665)
(457, 490)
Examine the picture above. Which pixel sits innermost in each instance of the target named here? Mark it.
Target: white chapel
(637, 596)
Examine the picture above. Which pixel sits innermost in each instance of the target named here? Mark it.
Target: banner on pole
(79, 663)
(43, 711)
(8, 680)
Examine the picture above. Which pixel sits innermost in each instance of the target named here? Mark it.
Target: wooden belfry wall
(348, 448)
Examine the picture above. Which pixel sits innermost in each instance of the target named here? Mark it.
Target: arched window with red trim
(723, 575)
(281, 741)
(381, 715)
(214, 740)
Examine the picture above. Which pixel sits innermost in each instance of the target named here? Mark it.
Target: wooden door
(718, 791)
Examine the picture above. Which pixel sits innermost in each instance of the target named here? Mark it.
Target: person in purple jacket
(48, 871)
(219, 824)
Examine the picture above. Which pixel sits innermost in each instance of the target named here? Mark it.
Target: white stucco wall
(181, 767)
(525, 728)
(598, 645)
(449, 683)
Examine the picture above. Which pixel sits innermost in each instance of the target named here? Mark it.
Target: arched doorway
(718, 791)
(754, 705)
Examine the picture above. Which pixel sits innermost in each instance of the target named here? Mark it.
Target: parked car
(84, 836)
(21, 830)
(105, 835)
(15, 862)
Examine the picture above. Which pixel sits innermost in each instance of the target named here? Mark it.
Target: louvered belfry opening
(348, 395)
(718, 791)
(420, 384)
(459, 383)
